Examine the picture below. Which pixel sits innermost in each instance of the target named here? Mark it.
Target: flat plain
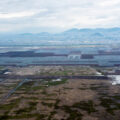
(58, 99)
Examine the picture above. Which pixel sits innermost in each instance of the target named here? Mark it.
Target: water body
(61, 56)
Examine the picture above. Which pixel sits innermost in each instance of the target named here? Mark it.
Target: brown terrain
(59, 99)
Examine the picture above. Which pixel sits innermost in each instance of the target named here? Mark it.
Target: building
(74, 56)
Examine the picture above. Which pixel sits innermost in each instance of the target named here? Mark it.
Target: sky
(21, 16)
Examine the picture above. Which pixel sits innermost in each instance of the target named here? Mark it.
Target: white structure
(57, 80)
(115, 79)
(74, 56)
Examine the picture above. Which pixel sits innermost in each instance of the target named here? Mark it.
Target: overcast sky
(57, 15)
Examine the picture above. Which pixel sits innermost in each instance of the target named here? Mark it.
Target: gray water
(102, 60)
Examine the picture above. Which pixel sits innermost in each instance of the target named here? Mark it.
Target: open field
(58, 99)
(52, 70)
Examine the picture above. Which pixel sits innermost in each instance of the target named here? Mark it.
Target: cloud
(20, 14)
(15, 15)
(109, 3)
(52, 15)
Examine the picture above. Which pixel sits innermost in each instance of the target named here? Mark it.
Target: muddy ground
(67, 99)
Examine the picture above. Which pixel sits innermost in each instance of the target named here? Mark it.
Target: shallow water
(101, 60)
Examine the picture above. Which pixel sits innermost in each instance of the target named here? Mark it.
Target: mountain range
(69, 37)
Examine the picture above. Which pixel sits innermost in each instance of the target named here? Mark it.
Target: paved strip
(52, 77)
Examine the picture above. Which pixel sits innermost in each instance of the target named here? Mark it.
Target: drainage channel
(13, 90)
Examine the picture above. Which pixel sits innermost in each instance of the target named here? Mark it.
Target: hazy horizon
(35, 16)
(58, 32)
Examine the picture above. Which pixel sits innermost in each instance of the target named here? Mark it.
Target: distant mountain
(72, 36)
(97, 35)
(25, 34)
(72, 30)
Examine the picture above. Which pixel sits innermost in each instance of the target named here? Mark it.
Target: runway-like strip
(52, 77)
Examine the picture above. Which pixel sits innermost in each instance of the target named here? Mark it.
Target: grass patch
(110, 104)
(67, 88)
(44, 92)
(56, 104)
(99, 87)
(48, 104)
(32, 106)
(73, 114)
(86, 106)
(41, 117)
(4, 117)
(37, 87)
(7, 106)
(47, 99)
(24, 116)
(51, 115)
(1, 68)
(10, 106)
(74, 110)
(52, 83)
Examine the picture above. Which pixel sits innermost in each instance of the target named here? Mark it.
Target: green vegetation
(74, 110)
(8, 107)
(47, 99)
(23, 116)
(38, 87)
(48, 104)
(86, 106)
(110, 103)
(4, 117)
(41, 117)
(1, 68)
(51, 115)
(95, 87)
(31, 107)
(67, 88)
(26, 86)
(21, 113)
(99, 87)
(56, 104)
(53, 83)
(83, 88)
(73, 114)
